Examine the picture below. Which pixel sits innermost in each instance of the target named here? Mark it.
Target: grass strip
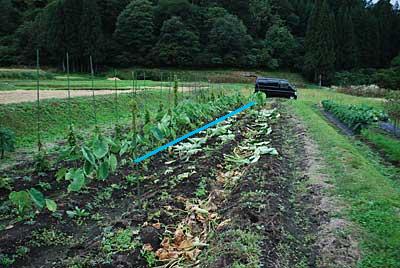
(373, 198)
(390, 146)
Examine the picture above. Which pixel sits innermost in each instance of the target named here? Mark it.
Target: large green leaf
(100, 148)
(124, 148)
(103, 171)
(78, 180)
(51, 205)
(88, 155)
(37, 198)
(157, 133)
(21, 200)
(113, 162)
(88, 168)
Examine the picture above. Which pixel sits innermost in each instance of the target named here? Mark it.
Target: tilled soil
(268, 198)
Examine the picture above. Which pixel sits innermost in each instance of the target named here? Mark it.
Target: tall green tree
(134, 31)
(72, 14)
(261, 17)
(9, 18)
(282, 44)
(177, 45)
(319, 60)
(386, 20)
(91, 31)
(229, 40)
(346, 48)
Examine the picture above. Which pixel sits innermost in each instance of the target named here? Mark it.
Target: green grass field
(14, 79)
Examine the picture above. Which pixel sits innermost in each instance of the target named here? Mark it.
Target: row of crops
(356, 117)
(78, 163)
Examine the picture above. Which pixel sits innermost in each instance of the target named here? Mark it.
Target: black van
(273, 87)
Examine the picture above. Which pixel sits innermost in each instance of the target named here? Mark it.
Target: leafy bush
(7, 141)
(356, 117)
(384, 78)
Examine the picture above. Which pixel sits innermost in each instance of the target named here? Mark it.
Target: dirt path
(18, 96)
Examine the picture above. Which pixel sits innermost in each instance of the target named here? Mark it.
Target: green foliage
(41, 164)
(134, 111)
(134, 31)
(150, 257)
(320, 44)
(9, 17)
(177, 45)
(23, 201)
(121, 240)
(392, 106)
(228, 41)
(24, 74)
(356, 117)
(201, 191)
(243, 248)
(6, 183)
(346, 47)
(388, 145)
(7, 141)
(384, 78)
(176, 86)
(282, 44)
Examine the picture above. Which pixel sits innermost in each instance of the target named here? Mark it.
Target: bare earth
(17, 96)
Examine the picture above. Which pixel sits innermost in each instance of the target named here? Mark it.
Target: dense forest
(317, 37)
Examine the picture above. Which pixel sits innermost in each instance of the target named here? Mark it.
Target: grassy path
(370, 190)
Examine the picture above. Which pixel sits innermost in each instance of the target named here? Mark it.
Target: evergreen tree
(91, 31)
(177, 45)
(367, 37)
(72, 11)
(9, 18)
(319, 59)
(134, 31)
(346, 50)
(386, 18)
(51, 24)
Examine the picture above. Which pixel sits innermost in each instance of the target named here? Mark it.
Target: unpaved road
(18, 96)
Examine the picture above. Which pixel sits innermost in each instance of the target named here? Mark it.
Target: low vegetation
(356, 117)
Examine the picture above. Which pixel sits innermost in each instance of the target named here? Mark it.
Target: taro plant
(7, 141)
(99, 161)
(24, 202)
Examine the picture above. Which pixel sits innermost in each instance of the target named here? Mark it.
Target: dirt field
(17, 96)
